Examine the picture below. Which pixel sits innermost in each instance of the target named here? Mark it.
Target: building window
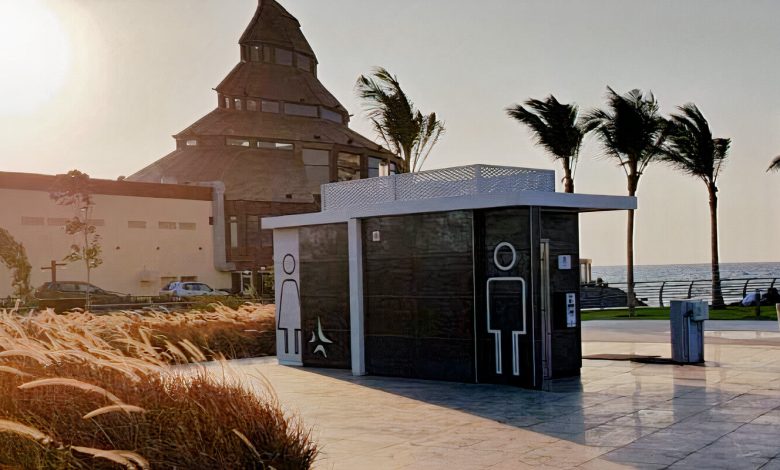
(237, 104)
(57, 222)
(274, 145)
(233, 231)
(166, 225)
(300, 110)
(317, 166)
(283, 56)
(393, 169)
(192, 143)
(139, 224)
(267, 238)
(227, 102)
(348, 166)
(377, 167)
(270, 106)
(254, 54)
(304, 63)
(33, 221)
(251, 105)
(238, 142)
(268, 54)
(187, 226)
(331, 115)
(252, 229)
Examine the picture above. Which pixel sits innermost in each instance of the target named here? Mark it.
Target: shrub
(70, 397)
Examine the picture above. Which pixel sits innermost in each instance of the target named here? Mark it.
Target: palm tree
(408, 132)
(632, 132)
(556, 129)
(691, 149)
(775, 166)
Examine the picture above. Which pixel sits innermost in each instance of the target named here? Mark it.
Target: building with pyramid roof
(276, 136)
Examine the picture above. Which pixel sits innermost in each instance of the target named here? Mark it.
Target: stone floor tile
(771, 417)
(773, 464)
(601, 464)
(703, 460)
(564, 454)
(649, 418)
(659, 458)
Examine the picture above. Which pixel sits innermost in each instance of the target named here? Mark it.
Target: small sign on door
(564, 262)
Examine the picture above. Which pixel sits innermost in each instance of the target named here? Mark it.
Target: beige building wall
(145, 240)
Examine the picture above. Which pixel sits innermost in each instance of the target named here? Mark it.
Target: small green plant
(14, 257)
(74, 189)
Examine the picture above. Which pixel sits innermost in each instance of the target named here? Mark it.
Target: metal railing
(659, 293)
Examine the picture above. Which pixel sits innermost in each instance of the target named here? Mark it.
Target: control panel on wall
(571, 310)
(564, 309)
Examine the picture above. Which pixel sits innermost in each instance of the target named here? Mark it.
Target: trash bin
(687, 327)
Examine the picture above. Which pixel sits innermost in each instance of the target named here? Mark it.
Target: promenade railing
(659, 293)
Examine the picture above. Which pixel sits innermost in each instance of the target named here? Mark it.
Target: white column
(356, 304)
(289, 343)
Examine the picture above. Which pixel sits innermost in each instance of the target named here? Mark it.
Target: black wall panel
(325, 296)
(562, 230)
(419, 295)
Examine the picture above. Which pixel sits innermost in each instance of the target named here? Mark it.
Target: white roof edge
(581, 202)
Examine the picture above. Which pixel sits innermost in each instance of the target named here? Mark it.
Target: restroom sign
(564, 262)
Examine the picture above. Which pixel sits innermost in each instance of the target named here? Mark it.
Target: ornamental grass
(85, 391)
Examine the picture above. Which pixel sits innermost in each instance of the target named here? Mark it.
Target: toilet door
(504, 311)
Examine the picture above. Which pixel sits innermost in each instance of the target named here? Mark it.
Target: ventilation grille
(447, 182)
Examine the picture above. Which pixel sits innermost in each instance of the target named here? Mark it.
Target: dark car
(67, 295)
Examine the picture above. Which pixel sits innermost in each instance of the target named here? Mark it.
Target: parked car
(67, 295)
(181, 290)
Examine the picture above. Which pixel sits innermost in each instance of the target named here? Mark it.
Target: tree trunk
(630, 264)
(717, 293)
(86, 261)
(568, 181)
(633, 179)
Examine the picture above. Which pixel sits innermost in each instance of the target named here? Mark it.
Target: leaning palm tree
(691, 149)
(632, 132)
(556, 128)
(406, 131)
(775, 166)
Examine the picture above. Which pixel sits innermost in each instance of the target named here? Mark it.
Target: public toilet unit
(467, 274)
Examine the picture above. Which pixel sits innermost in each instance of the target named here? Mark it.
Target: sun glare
(34, 56)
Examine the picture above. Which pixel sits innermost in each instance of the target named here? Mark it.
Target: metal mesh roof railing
(447, 182)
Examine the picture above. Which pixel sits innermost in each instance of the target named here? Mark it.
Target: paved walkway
(619, 415)
(748, 332)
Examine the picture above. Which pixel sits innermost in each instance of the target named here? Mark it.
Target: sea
(687, 272)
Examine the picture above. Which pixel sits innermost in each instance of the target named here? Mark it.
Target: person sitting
(771, 297)
(751, 299)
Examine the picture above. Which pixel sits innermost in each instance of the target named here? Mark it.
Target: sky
(101, 85)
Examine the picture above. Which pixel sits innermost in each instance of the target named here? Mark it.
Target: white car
(190, 289)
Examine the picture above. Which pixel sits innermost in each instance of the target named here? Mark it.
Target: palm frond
(631, 129)
(405, 130)
(554, 125)
(690, 146)
(775, 166)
